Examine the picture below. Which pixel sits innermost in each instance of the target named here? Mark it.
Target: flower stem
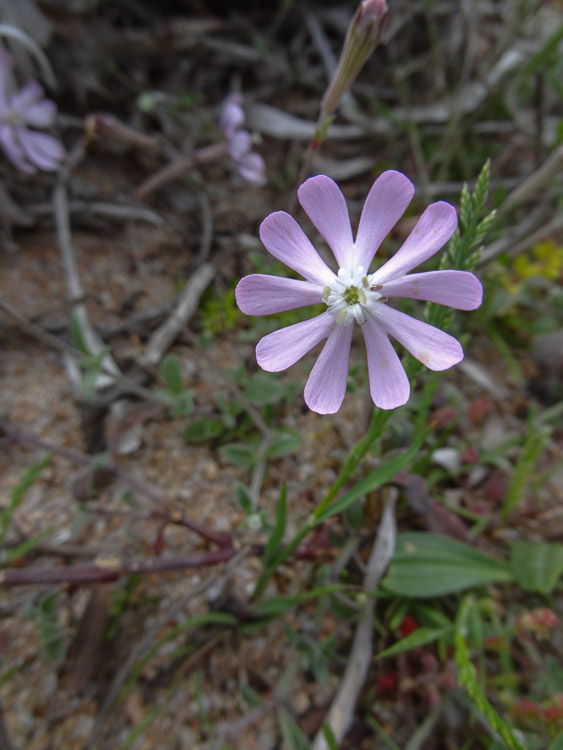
(323, 124)
(378, 421)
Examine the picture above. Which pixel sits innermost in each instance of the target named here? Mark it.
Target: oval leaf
(428, 565)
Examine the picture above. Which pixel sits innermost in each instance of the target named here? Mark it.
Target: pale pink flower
(19, 112)
(356, 294)
(248, 163)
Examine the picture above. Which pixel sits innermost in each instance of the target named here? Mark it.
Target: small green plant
(53, 637)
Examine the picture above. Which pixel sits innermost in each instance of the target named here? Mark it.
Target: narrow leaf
(419, 637)
(329, 737)
(17, 494)
(76, 334)
(279, 604)
(24, 547)
(380, 476)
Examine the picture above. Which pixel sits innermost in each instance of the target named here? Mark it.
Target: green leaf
(201, 430)
(536, 566)
(481, 191)
(283, 443)
(466, 209)
(171, 370)
(428, 565)
(264, 389)
(278, 531)
(557, 743)
(380, 476)
(54, 643)
(523, 470)
(243, 498)
(76, 335)
(249, 695)
(24, 547)
(45, 616)
(182, 404)
(240, 454)
(49, 604)
(17, 494)
(293, 737)
(417, 638)
(329, 737)
(277, 605)
(89, 384)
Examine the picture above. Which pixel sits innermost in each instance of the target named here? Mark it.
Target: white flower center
(351, 296)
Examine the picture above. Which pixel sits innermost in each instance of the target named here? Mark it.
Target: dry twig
(185, 307)
(341, 712)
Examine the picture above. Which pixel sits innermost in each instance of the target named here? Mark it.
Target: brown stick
(179, 167)
(110, 569)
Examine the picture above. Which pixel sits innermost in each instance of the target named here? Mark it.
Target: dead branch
(179, 167)
(341, 712)
(107, 569)
(185, 307)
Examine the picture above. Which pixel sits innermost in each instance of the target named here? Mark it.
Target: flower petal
(252, 168)
(285, 240)
(259, 294)
(13, 150)
(279, 350)
(240, 143)
(326, 387)
(432, 231)
(42, 114)
(458, 289)
(387, 201)
(41, 149)
(231, 116)
(388, 382)
(436, 349)
(325, 205)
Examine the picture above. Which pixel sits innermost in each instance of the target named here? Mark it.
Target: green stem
(378, 421)
(323, 124)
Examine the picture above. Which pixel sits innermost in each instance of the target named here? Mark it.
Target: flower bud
(232, 115)
(362, 38)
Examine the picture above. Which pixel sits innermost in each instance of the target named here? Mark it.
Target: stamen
(350, 296)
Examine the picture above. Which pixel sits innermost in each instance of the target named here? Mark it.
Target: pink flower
(249, 164)
(355, 294)
(24, 147)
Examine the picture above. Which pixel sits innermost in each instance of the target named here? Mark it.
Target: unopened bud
(108, 128)
(232, 114)
(361, 40)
